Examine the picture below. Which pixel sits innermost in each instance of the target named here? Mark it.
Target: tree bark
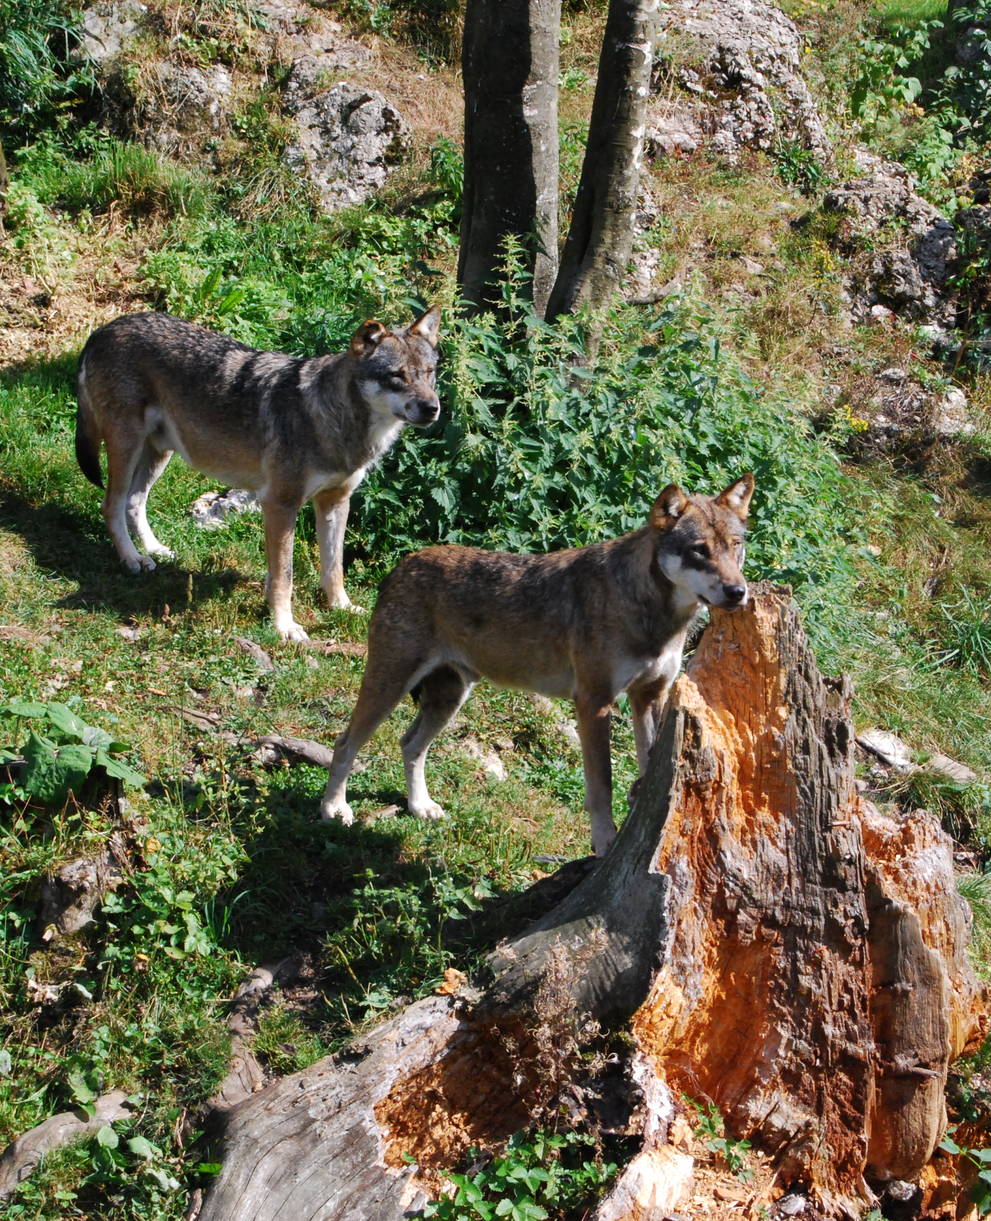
(771, 943)
(600, 238)
(510, 63)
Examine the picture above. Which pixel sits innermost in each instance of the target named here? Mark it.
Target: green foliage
(36, 75)
(62, 757)
(799, 167)
(967, 633)
(447, 168)
(966, 82)
(433, 26)
(980, 1159)
(709, 1125)
(883, 85)
(541, 1175)
(963, 809)
(288, 281)
(96, 170)
(393, 945)
(976, 889)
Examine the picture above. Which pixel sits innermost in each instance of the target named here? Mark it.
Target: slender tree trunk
(600, 239)
(771, 943)
(510, 62)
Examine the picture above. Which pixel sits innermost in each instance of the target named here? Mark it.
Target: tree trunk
(600, 238)
(510, 63)
(771, 942)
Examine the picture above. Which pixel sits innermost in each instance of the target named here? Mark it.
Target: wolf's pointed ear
(668, 507)
(427, 327)
(367, 337)
(737, 496)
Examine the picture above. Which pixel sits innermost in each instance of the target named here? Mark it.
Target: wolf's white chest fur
(662, 668)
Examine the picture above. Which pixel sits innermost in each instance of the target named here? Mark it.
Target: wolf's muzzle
(422, 412)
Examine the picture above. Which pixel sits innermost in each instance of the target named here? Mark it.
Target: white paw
(292, 631)
(163, 553)
(139, 563)
(341, 601)
(428, 809)
(339, 811)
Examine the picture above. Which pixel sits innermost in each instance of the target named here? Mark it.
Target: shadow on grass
(372, 920)
(61, 541)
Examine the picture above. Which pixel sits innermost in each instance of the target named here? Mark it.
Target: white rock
(888, 747)
(212, 509)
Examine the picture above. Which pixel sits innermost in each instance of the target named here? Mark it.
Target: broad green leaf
(54, 771)
(80, 1088)
(24, 708)
(96, 737)
(141, 1147)
(120, 769)
(62, 717)
(107, 1137)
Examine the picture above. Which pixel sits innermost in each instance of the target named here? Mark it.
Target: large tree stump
(773, 944)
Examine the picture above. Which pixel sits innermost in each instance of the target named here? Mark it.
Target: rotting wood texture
(774, 945)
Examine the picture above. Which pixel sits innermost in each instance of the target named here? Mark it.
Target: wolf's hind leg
(149, 468)
(124, 453)
(441, 694)
(380, 693)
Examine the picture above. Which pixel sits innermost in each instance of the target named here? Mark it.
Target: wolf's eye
(394, 378)
(700, 550)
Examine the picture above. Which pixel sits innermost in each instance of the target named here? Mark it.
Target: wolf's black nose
(734, 594)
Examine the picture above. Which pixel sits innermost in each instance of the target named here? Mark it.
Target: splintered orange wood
(815, 986)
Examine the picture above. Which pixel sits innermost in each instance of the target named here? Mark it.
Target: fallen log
(769, 942)
(22, 1155)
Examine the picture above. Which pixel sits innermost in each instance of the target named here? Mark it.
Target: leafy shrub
(61, 757)
(36, 76)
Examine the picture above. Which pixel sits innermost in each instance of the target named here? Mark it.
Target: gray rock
(70, 896)
(888, 748)
(310, 72)
(908, 275)
(672, 129)
(169, 106)
(108, 27)
(181, 101)
(212, 509)
(960, 773)
(347, 141)
(745, 74)
(950, 416)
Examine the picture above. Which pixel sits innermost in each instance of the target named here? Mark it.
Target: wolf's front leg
(280, 522)
(647, 704)
(331, 509)
(594, 715)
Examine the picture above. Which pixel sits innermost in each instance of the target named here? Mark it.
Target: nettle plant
(61, 755)
(540, 1176)
(541, 447)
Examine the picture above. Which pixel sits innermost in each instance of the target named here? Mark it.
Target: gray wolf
(290, 429)
(585, 624)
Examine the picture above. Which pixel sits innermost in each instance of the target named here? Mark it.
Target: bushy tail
(88, 437)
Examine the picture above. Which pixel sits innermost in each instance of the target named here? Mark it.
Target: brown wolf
(290, 429)
(585, 624)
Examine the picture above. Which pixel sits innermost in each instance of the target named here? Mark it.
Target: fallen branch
(246, 1075)
(297, 750)
(22, 1155)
